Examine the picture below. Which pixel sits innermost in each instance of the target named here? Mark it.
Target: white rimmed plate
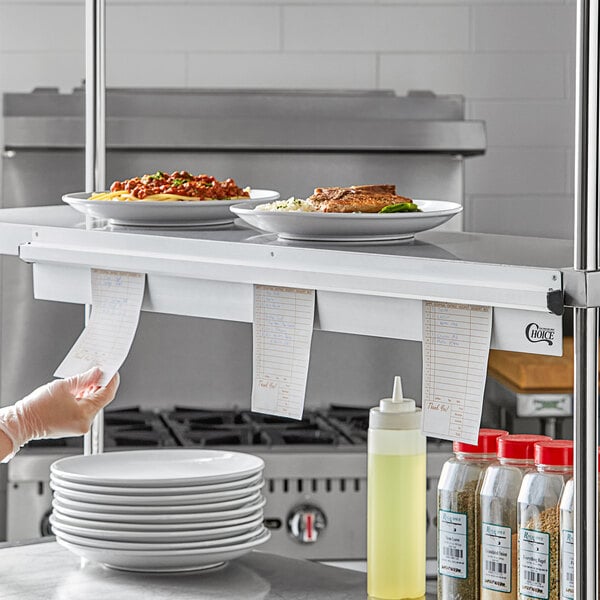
(158, 468)
(164, 517)
(126, 509)
(149, 546)
(162, 561)
(192, 535)
(65, 484)
(348, 227)
(158, 501)
(157, 214)
(148, 528)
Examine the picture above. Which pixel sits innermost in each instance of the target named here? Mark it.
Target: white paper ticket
(106, 340)
(456, 343)
(282, 336)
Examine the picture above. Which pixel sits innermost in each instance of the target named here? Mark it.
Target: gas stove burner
(349, 414)
(127, 416)
(352, 421)
(268, 420)
(195, 427)
(224, 436)
(205, 417)
(303, 437)
(142, 437)
(128, 427)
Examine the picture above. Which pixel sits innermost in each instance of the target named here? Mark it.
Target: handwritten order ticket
(106, 340)
(282, 336)
(456, 342)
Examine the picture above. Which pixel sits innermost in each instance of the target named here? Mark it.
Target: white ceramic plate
(192, 535)
(148, 528)
(65, 484)
(165, 545)
(158, 468)
(158, 501)
(128, 509)
(162, 561)
(348, 227)
(190, 518)
(157, 214)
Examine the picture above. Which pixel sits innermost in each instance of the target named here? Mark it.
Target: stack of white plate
(159, 510)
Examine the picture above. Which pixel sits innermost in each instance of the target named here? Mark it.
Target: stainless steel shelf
(365, 290)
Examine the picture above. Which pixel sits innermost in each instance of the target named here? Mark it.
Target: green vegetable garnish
(157, 175)
(400, 207)
(179, 181)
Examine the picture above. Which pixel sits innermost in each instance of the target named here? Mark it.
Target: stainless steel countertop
(46, 571)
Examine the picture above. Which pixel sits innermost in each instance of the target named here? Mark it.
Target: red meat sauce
(181, 183)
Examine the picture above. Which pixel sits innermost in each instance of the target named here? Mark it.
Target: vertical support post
(586, 319)
(95, 146)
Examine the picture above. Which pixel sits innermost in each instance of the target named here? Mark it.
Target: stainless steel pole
(586, 319)
(95, 145)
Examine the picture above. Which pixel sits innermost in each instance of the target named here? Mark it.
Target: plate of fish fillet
(360, 214)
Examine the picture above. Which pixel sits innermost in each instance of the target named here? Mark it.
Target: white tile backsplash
(513, 60)
(477, 76)
(22, 72)
(529, 27)
(279, 70)
(152, 69)
(376, 28)
(26, 28)
(549, 215)
(212, 28)
(518, 170)
(526, 123)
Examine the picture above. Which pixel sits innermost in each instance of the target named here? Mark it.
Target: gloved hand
(61, 408)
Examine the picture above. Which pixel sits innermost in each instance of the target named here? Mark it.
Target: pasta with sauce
(179, 186)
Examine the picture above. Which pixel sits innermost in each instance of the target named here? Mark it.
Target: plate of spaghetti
(178, 199)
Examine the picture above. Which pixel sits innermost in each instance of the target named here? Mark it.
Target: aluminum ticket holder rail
(358, 289)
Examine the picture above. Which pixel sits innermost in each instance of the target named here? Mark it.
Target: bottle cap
(486, 443)
(555, 453)
(396, 412)
(519, 446)
(397, 403)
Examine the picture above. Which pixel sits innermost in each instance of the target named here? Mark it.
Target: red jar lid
(486, 444)
(519, 446)
(554, 453)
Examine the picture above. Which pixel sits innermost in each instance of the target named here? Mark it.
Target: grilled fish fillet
(357, 198)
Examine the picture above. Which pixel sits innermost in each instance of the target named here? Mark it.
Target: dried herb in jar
(458, 546)
(541, 534)
(458, 516)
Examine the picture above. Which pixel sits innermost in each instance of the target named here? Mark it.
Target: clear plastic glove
(61, 408)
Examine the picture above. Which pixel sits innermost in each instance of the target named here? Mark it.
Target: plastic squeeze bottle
(396, 503)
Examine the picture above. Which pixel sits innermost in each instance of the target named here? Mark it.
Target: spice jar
(458, 516)
(498, 509)
(538, 511)
(567, 543)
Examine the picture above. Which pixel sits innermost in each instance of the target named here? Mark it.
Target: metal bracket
(582, 288)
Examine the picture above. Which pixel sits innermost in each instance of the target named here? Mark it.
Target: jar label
(496, 557)
(452, 544)
(567, 565)
(534, 563)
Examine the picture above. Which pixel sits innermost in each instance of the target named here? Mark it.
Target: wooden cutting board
(532, 373)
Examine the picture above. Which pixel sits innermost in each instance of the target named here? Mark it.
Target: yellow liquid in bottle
(396, 527)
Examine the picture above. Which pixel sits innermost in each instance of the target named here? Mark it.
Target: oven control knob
(305, 522)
